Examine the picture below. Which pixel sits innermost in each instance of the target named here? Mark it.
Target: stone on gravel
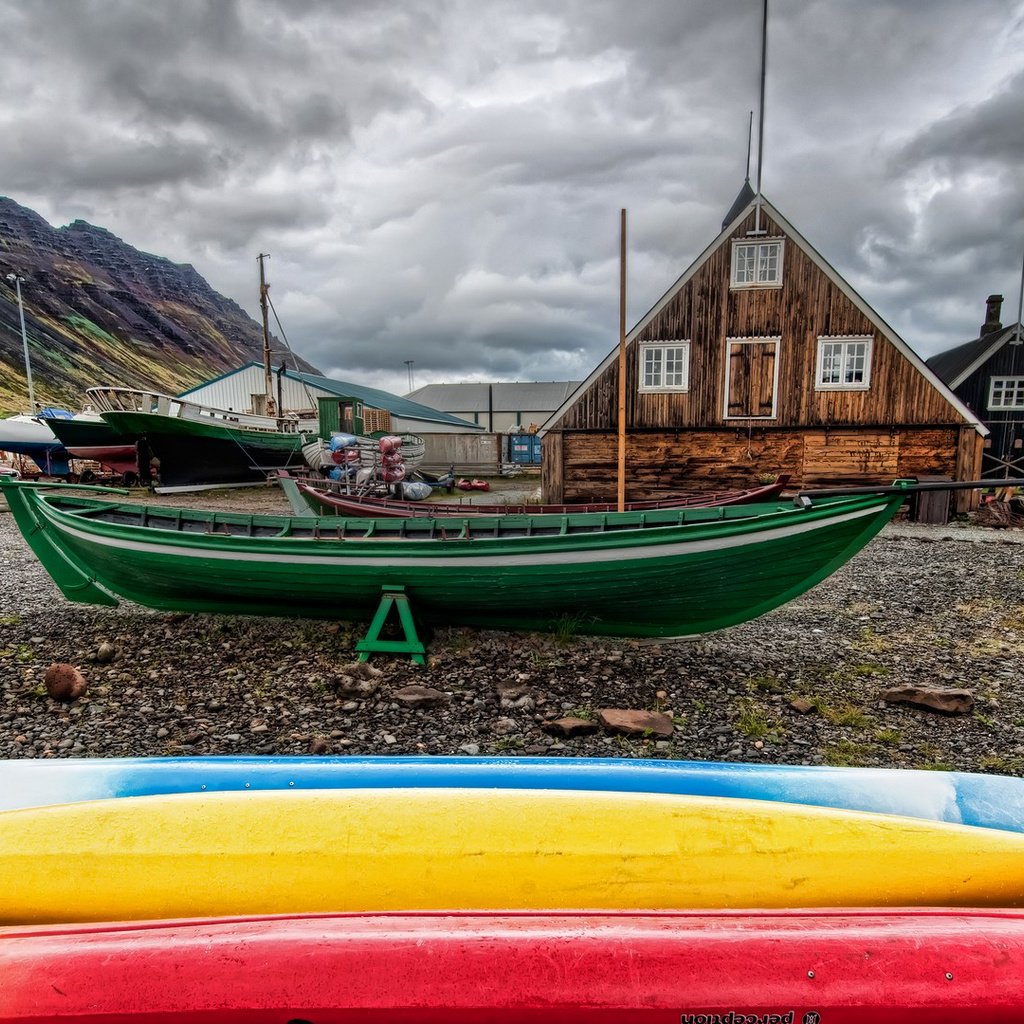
(359, 679)
(105, 653)
(802, 704)
(945, 699)
(635, 723)
(570, 727)
(64, 683)
(417, 696)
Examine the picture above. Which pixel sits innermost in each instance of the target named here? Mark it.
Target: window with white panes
(757, 264)
(844, 364)
(1006, 393)
(665, 366)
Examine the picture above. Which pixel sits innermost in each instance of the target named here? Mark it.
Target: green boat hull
(672, 573)
(207, 453)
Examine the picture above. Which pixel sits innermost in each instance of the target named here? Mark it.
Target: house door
(751, 378)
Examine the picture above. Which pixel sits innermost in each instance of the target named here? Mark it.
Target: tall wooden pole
(622, 365)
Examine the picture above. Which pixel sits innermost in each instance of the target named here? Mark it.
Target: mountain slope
(98, 311)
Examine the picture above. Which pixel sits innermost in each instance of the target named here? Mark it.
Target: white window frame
(845, 340)
(1017, 386)
(776, 340)
(759, 281)
(651, 389)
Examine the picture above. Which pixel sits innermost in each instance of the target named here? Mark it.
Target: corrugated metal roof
(374, 397)
(500, 396)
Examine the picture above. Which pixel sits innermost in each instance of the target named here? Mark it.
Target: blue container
(524, 449)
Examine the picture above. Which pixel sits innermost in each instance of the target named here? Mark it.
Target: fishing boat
(964, 798)
(25, 434)
(87, 436)
(312, 851)
(835, 966)
(195, 446)
(320, 497)
(667, 572)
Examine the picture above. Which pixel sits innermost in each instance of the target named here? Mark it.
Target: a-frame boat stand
(393, 598)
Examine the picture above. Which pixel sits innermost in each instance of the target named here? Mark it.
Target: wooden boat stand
(393, 597)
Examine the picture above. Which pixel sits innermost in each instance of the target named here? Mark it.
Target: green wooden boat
(662, 573)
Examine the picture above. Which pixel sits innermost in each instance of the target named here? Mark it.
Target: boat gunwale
(458, 536)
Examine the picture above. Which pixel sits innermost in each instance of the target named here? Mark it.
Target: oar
(907, 487)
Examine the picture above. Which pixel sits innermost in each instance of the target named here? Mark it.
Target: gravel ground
(923, 605)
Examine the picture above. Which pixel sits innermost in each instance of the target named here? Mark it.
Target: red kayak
(366, 507)
(777, 967)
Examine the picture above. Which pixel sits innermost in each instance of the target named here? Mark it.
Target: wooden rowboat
(286, 851)
(320, 498)
(836, 967)
(658, 573)
(967, 798)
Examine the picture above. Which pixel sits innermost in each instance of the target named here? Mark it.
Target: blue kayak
(989, 801)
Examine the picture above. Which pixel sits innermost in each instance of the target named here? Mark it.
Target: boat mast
(268, 376)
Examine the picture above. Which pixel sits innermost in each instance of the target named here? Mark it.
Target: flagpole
(622, 365)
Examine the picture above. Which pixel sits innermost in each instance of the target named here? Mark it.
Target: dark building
(987, 375)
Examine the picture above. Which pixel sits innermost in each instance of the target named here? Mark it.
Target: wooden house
(987, 375)
(759, 360)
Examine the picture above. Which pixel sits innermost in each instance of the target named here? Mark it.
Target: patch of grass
(755, 723)
(846, 715)
(860, 670)
(870, 641)
(985, 720)
(890, 737)
(679, 720)
(508, 743)
(1002, 764)
(586, 713)
(10, 620)
(567, 628)
(934, 766)
(847, 754)
(767, 683)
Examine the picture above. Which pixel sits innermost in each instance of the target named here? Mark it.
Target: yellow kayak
(420, 849)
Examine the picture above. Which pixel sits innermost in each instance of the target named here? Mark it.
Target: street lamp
(18, 281)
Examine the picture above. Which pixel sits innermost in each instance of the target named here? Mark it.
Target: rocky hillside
(98, 311)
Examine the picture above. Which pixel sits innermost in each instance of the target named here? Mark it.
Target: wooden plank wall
(661, 462)
(470, 454)
(705, 312)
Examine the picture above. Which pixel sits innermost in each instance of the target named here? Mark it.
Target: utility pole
(18, 281)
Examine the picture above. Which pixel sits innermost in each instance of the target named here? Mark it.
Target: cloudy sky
(441, 180)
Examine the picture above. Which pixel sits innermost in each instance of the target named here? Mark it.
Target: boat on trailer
(321, 497)
(665, 572)
(835, 966)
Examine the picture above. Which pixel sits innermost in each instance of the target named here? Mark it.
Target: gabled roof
(826, 268)
(499, 396)
(373, 397)
(956, 364)
(740, 204)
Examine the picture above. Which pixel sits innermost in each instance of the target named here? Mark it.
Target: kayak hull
(440, 849)
(966, 798)
(836, 967)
